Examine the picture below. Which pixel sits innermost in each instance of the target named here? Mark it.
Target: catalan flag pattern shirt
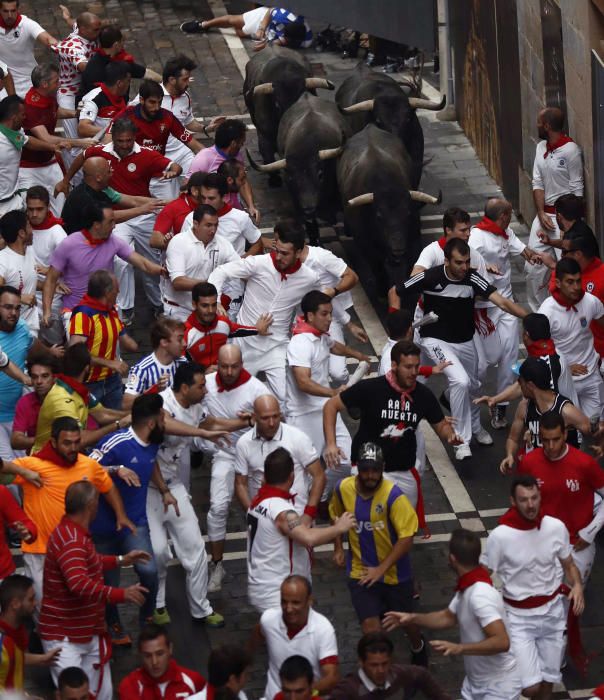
(382, 520)
(13, 645)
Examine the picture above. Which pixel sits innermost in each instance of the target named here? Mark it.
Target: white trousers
(590, 393)
(136, 233)
(70, 127)
(499, 348)
(47, 176)
(271, 362)
(503, 688)
(538, 276)
(222, 487)
(584, 560)
(16, 202)
(178, 313)
(463, 381)
(537, 642)
(312, 425)
(33, 567)
(406, 483)
(85, 656)
(189, 547)
(338, 370)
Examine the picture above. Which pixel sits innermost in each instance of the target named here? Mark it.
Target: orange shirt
(46, 505)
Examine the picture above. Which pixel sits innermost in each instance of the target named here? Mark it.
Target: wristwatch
(120, 559)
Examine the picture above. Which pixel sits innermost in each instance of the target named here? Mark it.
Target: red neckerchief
(302, 326)
(226, 208)
(116, 100)
(120, 56)
(93, 241)
(486, 224)
(405, 393)
(513, 518)
(17, 634)
(15, 25)
(442, 242)
(50, 221)
(244, 376)
(173, 674)
(49, 454)
(33, 98)
(476, 575)
(293, 631)
(599, 691)
(288, 270)
(97, 306)
(563, 140)
(265, 492)
(538, 348)
(563, 302)
(78, 387)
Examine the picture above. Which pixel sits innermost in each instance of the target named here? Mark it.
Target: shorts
(503, 688)
(252, 19)
(380, 598)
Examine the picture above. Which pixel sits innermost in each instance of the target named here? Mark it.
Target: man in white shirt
(18, 36)
(190, 258)
(268, 434)
(557, 170)
(183, 402)
(231, 393)
(478, 609)
(532, 556)
(570, 310)
(275, 284)
(308, 387)
(496, 338)
(18, 265)
(295, 628)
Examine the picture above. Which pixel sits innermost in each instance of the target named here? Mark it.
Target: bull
(381, 208)
(310, 136)
(274, 79)
(367, 96)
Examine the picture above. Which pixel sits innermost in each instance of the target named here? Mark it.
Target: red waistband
(549, 209)
(536, 601)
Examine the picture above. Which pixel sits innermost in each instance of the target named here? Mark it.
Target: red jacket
(139, 685)
(11, 512)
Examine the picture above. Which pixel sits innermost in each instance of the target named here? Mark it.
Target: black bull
(381, 208)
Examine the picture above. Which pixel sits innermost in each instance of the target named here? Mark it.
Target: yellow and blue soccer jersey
(382, 520)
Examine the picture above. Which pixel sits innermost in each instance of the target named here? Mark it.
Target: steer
(274, 79)
(311, 134)
(367, 96)
(381, 208)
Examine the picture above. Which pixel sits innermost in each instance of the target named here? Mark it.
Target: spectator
(72, 684)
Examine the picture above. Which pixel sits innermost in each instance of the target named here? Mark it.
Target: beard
(156, 436)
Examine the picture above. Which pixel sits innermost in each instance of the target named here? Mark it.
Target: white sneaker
(482, 437)
(463, 452)
(359, 373)
(215, 576)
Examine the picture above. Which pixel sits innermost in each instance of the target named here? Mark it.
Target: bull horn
(418, 196)
(364, 106)
(327, 153)
(264, 89)
(419, 103)
(313, 83)
(269, 167)
(361, 199)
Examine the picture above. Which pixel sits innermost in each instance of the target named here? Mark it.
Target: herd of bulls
(362, 155)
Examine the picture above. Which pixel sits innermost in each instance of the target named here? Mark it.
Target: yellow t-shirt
(46, 505)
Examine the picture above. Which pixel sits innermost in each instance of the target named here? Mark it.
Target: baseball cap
(370, 455)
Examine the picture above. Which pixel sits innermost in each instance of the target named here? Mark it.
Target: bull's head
(288, 88)
(392, 217)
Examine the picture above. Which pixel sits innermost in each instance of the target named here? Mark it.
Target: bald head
(267, 413)
(229, 364)
(97, 172)
(550, 122)
(497, 209)
(89, 25)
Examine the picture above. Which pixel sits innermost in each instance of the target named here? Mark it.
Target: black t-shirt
(532, 421)
(387, 423)
(76, 201)
(94, 73)
(451, 300)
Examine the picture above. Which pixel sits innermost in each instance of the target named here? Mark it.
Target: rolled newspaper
(426, 320)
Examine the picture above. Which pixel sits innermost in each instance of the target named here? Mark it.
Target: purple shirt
(75, 258)
(208, 160)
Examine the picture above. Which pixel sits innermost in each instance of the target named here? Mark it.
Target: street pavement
(471, 495)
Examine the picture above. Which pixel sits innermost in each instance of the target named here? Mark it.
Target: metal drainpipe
(447, 86)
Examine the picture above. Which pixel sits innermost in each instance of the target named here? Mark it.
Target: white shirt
(330, 268)
(186, 256)
(476, 608)
(228, 403)
(236, 226)
(385, 361)
(271, 556)
(168, 456)
(19, 271)
(433, 255)
(310, 351)
(496, 250)
(560, 173)
(90, 109)
(17, 51)
(44, 243)
(10, 158)
(265, 292)
(528, 561)
(316, 642)
(570, 331)
(252, 450)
